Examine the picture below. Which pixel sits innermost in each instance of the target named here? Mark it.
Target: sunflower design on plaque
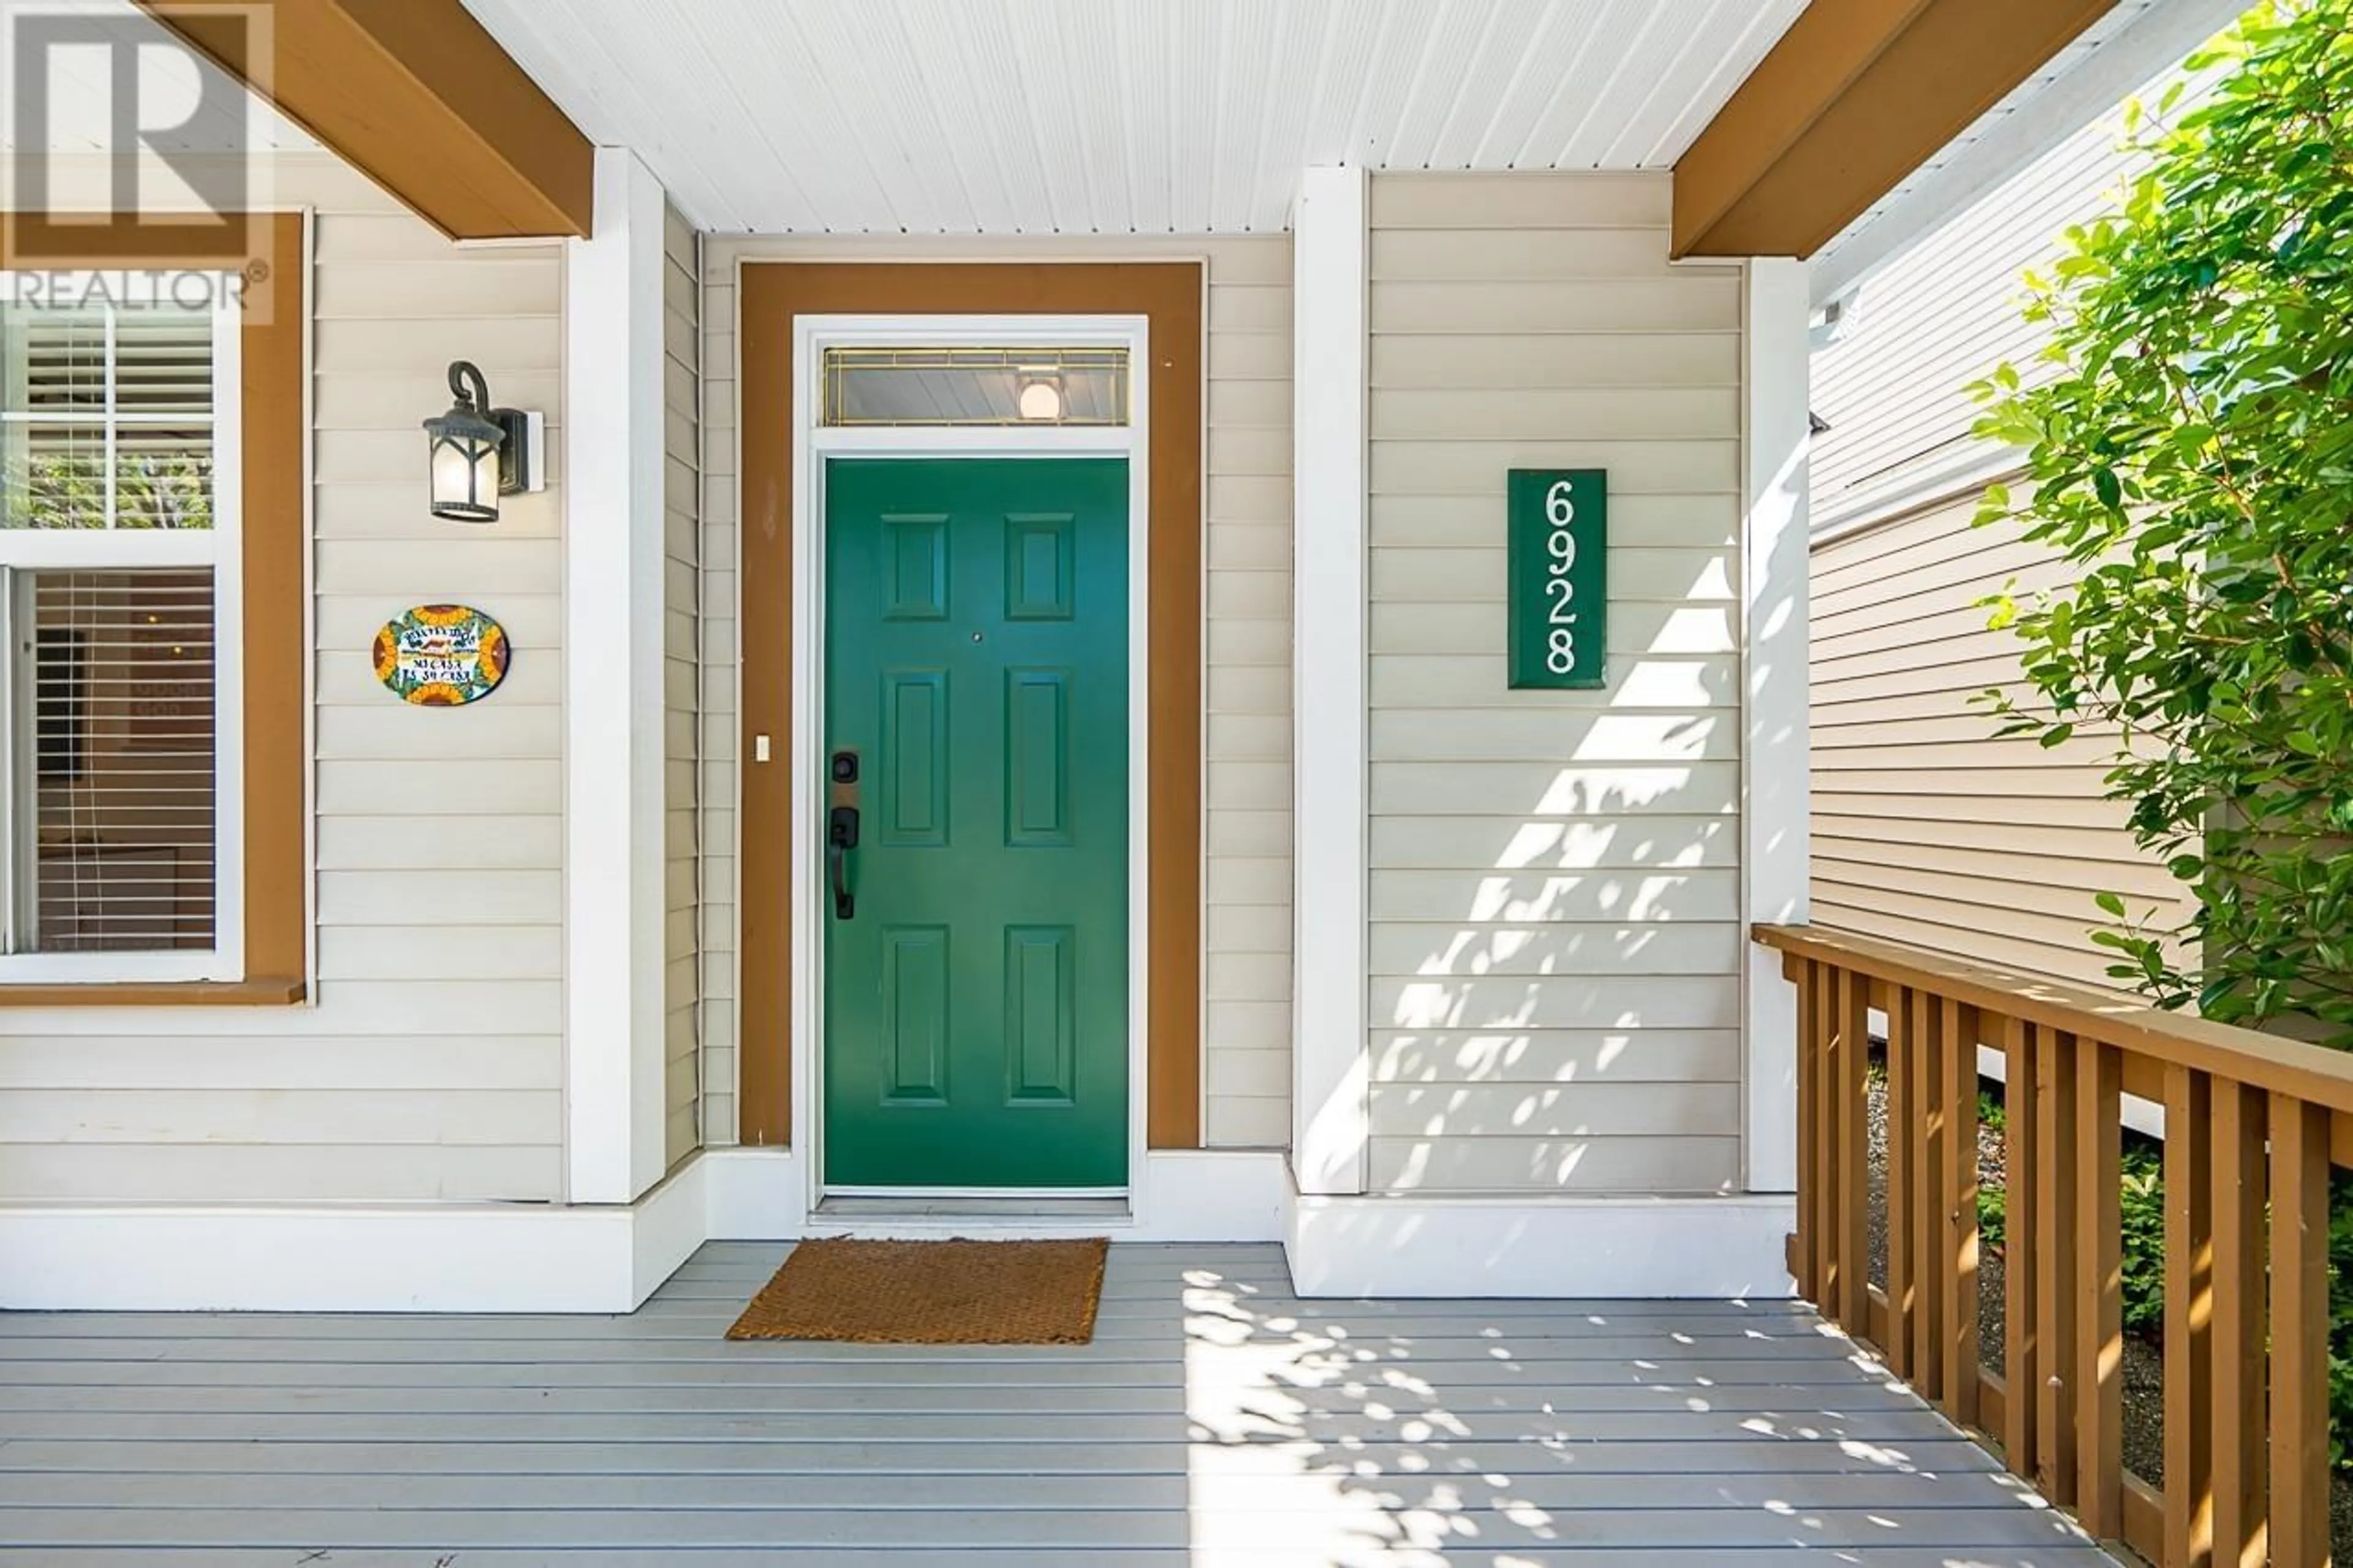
(442, 656)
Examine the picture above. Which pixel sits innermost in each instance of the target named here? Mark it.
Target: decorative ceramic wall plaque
(442, 656)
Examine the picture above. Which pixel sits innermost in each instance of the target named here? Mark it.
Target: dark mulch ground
(2144, 1369)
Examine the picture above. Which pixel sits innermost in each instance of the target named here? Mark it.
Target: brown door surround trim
(1169, 294)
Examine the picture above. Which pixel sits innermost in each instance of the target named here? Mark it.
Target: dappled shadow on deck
(1216, 1419)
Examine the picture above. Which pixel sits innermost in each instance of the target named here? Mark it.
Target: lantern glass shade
(466, 476)
(463, 449)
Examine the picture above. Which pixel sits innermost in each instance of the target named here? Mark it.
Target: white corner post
(1330, 1059)
(613, 940)
(1776, 806)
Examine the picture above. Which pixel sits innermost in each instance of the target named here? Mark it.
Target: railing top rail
(2311, 1073)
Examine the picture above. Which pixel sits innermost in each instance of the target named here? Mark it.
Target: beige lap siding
(1554, 876)
(431, 1065)
(682, 689)
(1927, 828)
(1246, 918)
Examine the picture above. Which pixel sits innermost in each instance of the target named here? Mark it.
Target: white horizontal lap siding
(1927, 827)
(430, 1066)
(1247, 873)
(682, 979)
(1555, 877)
(1918, 331)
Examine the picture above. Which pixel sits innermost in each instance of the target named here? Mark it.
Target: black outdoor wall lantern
(479, 453)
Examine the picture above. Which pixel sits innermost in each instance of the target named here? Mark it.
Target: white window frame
(220, 548)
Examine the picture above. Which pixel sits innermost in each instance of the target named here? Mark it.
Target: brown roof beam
(417, 95)
(1856, 95)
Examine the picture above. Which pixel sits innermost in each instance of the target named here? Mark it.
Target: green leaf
(2111, 904)
(2188, 432)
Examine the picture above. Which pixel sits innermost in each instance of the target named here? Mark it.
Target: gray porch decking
(1217, 1419)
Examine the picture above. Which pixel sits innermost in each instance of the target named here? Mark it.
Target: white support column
(1776, 819)
(613, 569)
(1330, 1063)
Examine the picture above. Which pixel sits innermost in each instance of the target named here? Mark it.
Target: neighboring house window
(122, 816)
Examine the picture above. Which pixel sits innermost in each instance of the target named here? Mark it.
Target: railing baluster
(2022, 1438)
(1924, 1222)
(2299, 1297)
(2241, 1502)
(1824, 1155)
(1902, 1087)
(1805, 972)
(1956, 1267)
(1852, 1152)
(2189, 1318)
(2057, 1271)
(2100, 1303)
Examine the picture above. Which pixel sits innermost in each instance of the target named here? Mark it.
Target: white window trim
(221, 547)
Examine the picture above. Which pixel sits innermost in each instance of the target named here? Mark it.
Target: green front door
(976, 671)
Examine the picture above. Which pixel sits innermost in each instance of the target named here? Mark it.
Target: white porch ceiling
(1116, 116)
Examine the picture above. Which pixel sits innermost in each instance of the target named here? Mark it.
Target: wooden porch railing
(2252, 1125)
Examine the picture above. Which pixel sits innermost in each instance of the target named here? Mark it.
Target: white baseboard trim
(666, 1226)
(523, 1257)
(532, 1259)
(1213, 1195)
(752, 1195)
(1206, 1194)
(343, 1258)
(1438, 1247)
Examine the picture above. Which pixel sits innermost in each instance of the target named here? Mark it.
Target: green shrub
(1993, 1219)
(2143, 1211)
(2190, 440)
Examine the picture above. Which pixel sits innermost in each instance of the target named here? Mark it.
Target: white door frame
(813, 444)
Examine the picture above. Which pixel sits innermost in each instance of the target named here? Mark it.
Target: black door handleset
(841, 832)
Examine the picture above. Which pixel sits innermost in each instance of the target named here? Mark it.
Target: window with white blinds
(119, 601)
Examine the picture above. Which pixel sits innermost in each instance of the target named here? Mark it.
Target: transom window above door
(898, 386)
(120, 608)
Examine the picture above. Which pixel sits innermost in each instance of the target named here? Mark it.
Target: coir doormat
(931, 1293)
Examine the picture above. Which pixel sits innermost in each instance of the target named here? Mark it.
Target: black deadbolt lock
(845, 767)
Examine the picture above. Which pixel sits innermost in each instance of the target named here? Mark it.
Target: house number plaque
(1559, 589)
